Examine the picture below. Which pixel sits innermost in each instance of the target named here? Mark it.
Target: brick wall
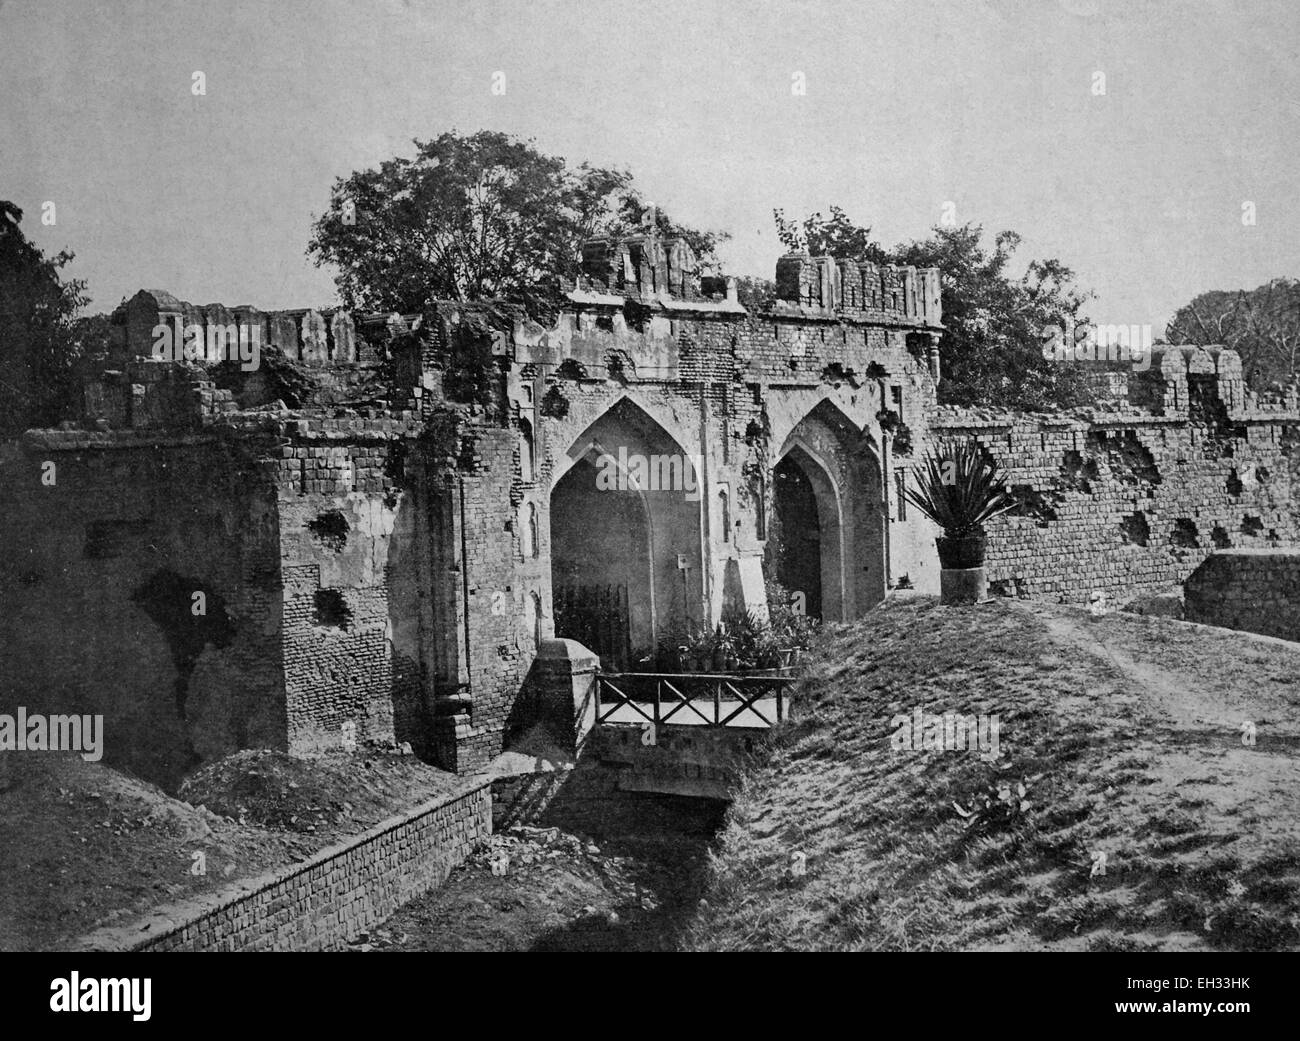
(408, 539)
(331, 897)
(99, 577)
(1133, 502)
(1257, 590)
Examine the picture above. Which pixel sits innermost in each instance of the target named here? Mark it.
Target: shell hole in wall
(330, 529)
(332, 611)
(1184, 534)
(1134, 529)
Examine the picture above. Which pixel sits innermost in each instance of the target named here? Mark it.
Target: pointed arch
(841, 464)
(629, 414)
(626, 513)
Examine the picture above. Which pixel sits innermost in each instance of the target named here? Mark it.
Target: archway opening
(626, 534)
(836, 547)
(600, 565)
(794, 540)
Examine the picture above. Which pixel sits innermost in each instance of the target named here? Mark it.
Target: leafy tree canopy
(837, 237)
(1262, 325)
(994, 321)
(992, 345)
(43, 345)
(483, 216)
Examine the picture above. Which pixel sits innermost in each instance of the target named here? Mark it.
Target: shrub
(961, 490)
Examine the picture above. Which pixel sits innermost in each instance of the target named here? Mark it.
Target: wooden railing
(698, 699)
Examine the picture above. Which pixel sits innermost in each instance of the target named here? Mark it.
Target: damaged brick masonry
(394, 517)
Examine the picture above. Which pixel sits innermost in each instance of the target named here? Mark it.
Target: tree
(994, 322)
(42, 345)
(755, 294)
(476, 217)
(1262, 325)
(837, 237)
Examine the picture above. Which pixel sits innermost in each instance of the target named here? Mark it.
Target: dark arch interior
(600, 565)
(794, 542)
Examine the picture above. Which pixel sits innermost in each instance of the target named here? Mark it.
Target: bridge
(693, 699)
(685, 733)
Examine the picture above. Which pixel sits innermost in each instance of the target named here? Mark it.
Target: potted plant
(961, 490)
(724, 649)
(732, 662)
(699, 651)
(685, 662)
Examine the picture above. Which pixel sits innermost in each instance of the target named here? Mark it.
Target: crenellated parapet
(155, 324)
(1183, 380)
(644, 266)
(859, 290)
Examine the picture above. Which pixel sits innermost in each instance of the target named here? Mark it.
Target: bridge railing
(692, 698)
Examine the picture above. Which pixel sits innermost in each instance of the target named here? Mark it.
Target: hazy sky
(988, 104)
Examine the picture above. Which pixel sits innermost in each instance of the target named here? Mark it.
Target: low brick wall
(331, 897)
(1257, 590)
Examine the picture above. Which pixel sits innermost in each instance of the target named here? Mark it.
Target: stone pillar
(315, 347)
(252, 326)
(909, 291)
(827, 283)
(932, 355)
(562, 691)
(282, 332)
(344, 334)
(219, 323)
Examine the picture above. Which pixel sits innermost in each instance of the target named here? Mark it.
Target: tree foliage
(837, 237)
(1262, 325)
(44, 346)
(476, 217)
(994, 321)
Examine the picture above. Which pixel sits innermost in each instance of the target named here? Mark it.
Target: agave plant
(960, 490)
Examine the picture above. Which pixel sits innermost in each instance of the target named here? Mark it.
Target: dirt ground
(1153, 763)
(628, 883)
(82, 845)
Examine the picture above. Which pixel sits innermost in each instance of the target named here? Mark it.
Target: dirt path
(1126, 811)
(1190, 698)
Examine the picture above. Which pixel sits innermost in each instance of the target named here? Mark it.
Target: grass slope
(1127, 735)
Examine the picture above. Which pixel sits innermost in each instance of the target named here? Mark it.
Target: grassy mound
(347, 791)
(1144, 797)
(86, 845)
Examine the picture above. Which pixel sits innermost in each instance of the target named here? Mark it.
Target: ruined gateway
(387, 526)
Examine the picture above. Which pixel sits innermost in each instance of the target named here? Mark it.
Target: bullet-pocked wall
(1131, 501)
(502, 478)
(395, 511)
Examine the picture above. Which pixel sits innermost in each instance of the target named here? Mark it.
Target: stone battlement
(330, 336)
(646, 269)
(859, 290)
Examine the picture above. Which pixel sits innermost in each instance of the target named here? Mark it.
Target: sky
(989, 110)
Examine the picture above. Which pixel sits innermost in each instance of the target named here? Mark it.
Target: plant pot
(963, 585)
(719, 660)
(962, 553)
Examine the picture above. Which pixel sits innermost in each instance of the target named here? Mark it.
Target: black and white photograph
(678, 477)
